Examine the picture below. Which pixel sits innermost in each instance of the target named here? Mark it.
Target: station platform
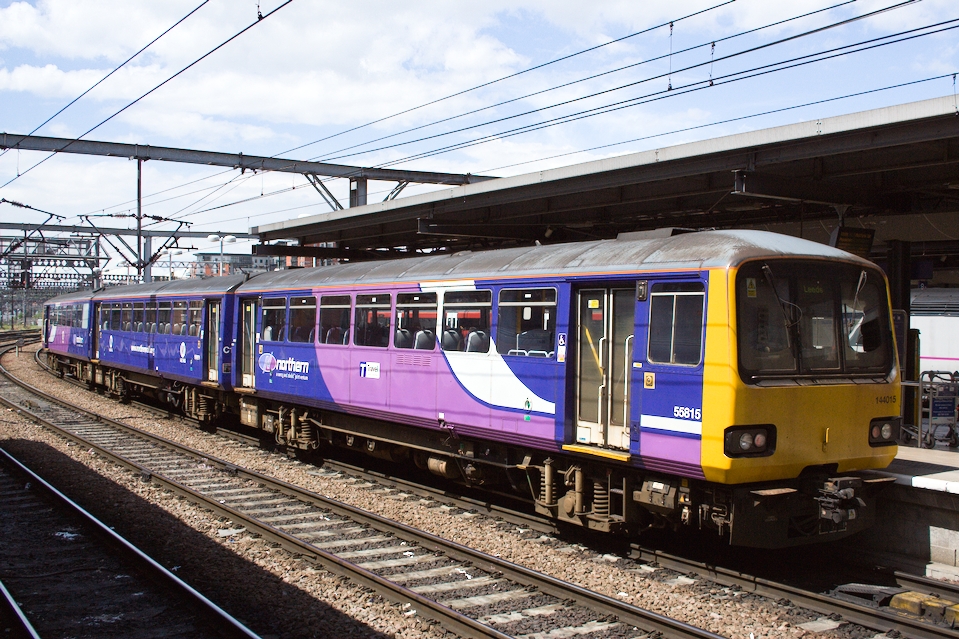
(931, 469)
(917, 521)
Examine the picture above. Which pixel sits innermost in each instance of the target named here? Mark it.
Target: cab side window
(676, 323)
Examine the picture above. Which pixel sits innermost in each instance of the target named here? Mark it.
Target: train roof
(697, 250)
(934, 301)
(193, 286)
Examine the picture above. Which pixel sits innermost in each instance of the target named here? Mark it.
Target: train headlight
(884, 431)
(750, 441)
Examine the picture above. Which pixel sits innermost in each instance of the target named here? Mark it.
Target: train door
(248, 314)
(95, 333)
(212, 334)
(605, 320)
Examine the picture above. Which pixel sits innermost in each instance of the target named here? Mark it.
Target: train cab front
(809, 404)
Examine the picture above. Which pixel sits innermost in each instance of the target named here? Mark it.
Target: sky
(341, 82)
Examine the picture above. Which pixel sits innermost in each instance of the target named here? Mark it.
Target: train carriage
(728, 380)
(68, 329)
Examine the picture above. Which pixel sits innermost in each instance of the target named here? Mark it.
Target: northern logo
(269, 364)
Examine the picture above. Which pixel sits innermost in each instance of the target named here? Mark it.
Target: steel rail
(21, 626)
(863, 615)
(451, 619)
(230, 626)
(918, 583)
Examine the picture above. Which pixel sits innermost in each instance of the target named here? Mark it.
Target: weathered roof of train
(935, 301)
(67, 298)
(194, 286)
(705, 249)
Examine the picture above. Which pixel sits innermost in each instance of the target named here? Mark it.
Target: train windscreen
(812, 319)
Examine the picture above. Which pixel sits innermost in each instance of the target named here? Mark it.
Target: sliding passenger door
(248, 314)
(212, 334)
(605, 321)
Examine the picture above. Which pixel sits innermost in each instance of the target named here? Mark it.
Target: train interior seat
(477, 342)
(403, 338)
(425, 340)
(451, 340)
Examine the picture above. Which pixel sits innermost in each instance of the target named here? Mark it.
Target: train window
(466, 321)
(372, 325)
(138, 317)
(415, 321)
(126, 318)
(196, 318)
(799, 317)
(104, 320)
(816, 295)
(302, 319)
(116, 317)
(150, 323)
(526, 322)
(164, 311)
(180, 325)
(676, 323)
(274, 319)
(335, 319)
(865, 321)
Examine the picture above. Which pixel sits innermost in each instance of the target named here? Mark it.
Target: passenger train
(731, 381)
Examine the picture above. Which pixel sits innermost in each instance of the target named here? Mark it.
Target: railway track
(468, 592)
(850, 608)
(863, 604)
(63, 573)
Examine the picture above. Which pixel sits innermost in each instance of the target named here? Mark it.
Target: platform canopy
(895, 170)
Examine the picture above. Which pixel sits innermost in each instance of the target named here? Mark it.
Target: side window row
(72, 315)
(164, 318)
(526, 322)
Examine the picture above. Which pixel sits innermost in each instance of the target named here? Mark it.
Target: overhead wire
(631, 84)
(615, 106)
(593, 76)
(719, 122)
(776, 23)
(689, 88)
(780, 41)
(260, 19)
(506, 77)
(512, 75)
(117, 68)
(639, 139)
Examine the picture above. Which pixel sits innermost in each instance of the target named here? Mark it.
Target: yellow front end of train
(801, 393)
(822, 418)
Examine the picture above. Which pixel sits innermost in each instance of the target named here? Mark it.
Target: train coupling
(837, 499)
